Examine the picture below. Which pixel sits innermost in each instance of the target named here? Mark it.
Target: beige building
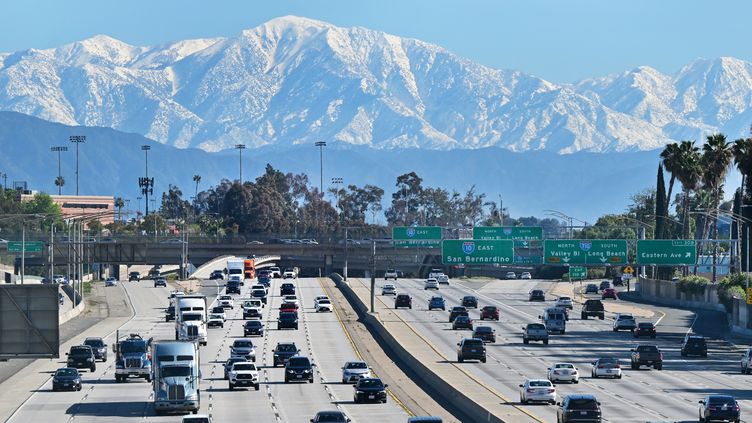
(78, 205)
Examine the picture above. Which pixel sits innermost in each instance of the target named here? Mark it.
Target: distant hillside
(584, 185)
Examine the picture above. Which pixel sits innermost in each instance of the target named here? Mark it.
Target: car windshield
(646, 325)
(472, 343)
(608, 361)
(583, 404)
(469, 298)
(647, 348)
(324, 302)
(333, 417)
(299, 362)
(252, 323)
(218, 310)
(539, 383)
(67, 372)
(535, 326)
(371, 383)
(175, 371)
(191, 317)
(244, 366)
(356, 365)
(133, 347)
(537, 292)
(720, 400)
(556, 316)
(80, 351)
(258, 293)
(564, 366)
(94, 343)
(242, 344)
(216, 316)
(225, 297)
(287, 348)
(483, 329)
(489, 308)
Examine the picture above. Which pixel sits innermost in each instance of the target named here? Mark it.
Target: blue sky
(561, 41)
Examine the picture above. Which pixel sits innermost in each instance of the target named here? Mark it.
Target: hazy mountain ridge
(293, 81)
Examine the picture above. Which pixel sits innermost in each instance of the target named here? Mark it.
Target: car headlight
(359, 392)
(306, 371)
(291, 371)
(89, 359)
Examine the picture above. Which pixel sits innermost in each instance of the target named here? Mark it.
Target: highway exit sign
(466, 251)
(585, 251)
(416, 236)
(30, 246)
(667, 252)
(516, 233)
(577, 272)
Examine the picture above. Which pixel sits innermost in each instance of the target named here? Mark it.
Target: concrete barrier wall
(75, 311)
(667, 292)
(449, 394)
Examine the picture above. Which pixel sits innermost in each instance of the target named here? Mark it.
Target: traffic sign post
(464, 251)
(516, 233)
(577, 272)
(28, 246)
(416, 236)
(666, 252)
(602, 252)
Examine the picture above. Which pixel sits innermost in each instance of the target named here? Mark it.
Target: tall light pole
(337, 182)
(139, 205)
(321, 145)
(240, 148)
(77, 139)
(501, 211)
(59, 149)
(146, 184)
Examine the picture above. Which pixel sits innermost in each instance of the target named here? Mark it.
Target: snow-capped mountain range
(296, 81)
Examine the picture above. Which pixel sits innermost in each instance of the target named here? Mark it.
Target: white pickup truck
(390, 274)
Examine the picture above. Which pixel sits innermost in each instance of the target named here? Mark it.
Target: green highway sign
(467, 251)
(518, 259)
(669, 252)
(416, 236)
(577, 272)
(517, 233)
(30, 246)
(585, 251)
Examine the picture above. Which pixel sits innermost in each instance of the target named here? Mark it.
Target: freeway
(641, 395)
(320, 337)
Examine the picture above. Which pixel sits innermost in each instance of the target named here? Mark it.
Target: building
(78, 205)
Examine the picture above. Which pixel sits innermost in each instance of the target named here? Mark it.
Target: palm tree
(196, 179)
(59, 182)
(716, 160)
(742, 151)
(670, 161)
(689, 173)
(119, 204)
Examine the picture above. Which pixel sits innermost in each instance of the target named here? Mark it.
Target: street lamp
(59, 149)
(321, 145)
(77, 139)
(567, 218)
(240, 148)
(146, 184)
(337, 181)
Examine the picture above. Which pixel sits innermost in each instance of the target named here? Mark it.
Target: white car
(431, 283)
(539, 390)
(526, 275)
(243, 373)
(215, 319)
(442, 279)
(564, 302)
(624, 321)
(323, 305)
(388, 289)
(259, 286)
(563, 372)
(289, 273)
(290, 299)
(110, 282)
(226, 301)
(606, 367)
(320, 297)
(254, 302)
(511, 275)
(352, 371)
(276, 273)
(390, 274)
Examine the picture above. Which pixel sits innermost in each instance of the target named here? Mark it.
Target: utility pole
(77, 139)
(59, 149)
(373, 277)
(321, 145)
(501, 211)
(240, 148)
(146, 184)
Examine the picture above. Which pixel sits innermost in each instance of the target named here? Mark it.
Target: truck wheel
(583, 316)
(93, 368)
(231, 386)
(658, 367)
(635, 366)
(601, 317)
(615, 329)
(545, 342)
(460, 359)
(525, 341)
(148, 378)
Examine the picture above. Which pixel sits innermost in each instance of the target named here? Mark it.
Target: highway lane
(639, 396)
(320, 336)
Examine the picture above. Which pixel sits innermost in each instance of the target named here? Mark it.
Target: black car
(403, 300)
(232, 287)
(134, 277)
(81, 357)
(228, 364)
(299, 369)
(471, 349)
(485, 333)
(287, 288)
(462, 322)
(644, 329)
(160, 281)
(260, 294)
(333, 416)
(591, 288)
(98, 347)
(287, 320)
(169, 313)
(579, 408)
(66, 378)
(719, 408)
(457, 311)
(283, 351)
(217, 274)
(253, 327)
(694, 345)
(617, 281)
(537, 295)
(469, 301)
(369, 389)
(605, 285)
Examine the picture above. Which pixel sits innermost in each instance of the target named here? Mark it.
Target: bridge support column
(328, 264)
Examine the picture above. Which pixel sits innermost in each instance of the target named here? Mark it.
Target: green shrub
(692, 284)
(596, 272)
(565, 276)
(732, 286)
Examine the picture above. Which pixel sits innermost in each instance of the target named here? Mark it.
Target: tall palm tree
(742, 151)
(717, 155)
(196, 179)
(119, 204)
(670, 160)
(689, 173)
(59, 182)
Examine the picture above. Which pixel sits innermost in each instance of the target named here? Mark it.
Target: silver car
(352, 371)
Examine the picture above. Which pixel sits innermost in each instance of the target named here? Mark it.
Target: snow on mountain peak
(294, 80)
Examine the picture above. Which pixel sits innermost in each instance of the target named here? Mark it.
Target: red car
(489, 312)
(609, 293)
(288, 307)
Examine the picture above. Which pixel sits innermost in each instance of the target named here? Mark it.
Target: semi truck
(176, 377)
(190, 318)
(249, 268)
(132, 357)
